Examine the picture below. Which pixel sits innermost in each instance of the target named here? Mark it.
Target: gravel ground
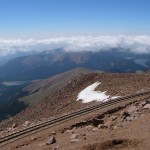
(125, 128)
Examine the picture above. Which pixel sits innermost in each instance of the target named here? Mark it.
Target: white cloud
(136, 44)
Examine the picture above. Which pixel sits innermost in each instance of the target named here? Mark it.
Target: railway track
(42, 126)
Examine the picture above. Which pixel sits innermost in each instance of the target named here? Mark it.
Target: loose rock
(96, 122)
(89, 127)
(132, 109)
(147, 106)
(84, 134)
(69, 131)
(53, 133)
(14, 125)
(130, 118)
(34, 138)
(9, 129)
(143, 103)
(51, 140)
(101, 126)
(124, 114)
(148, 101)
(94, 129)
(57, 147)
(74, 140)
(114, 117)
(108, 124)
(27, 123)
(74, 136)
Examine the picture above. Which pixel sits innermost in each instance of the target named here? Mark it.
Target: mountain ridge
(16, 98)
(64, 99)
(44, 64)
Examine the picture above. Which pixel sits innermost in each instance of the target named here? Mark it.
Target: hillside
(15, 98)
(64, 100)
(41, 89)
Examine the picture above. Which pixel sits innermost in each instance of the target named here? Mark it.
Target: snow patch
(88, 94)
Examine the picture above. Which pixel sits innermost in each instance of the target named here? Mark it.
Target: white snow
(88, 94)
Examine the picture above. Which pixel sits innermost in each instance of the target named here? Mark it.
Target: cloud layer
(136, 44)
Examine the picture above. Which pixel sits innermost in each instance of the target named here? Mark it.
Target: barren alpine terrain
(64, 100)
(74, 75)
(122, 126)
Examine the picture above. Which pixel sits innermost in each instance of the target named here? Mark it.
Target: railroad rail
(44, 125)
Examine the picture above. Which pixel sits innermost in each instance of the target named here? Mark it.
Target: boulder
(113, 118)
(132, 109)
(130, 118)
(148, 101)
(74, 136)
(136, 103)
(57, 147)
(89, 127)
(51, 140)
(83, 134)
(124, 114)
(69, 131)
(27, 123)
(84, 138)
(101, 126)
(74, 140)
(14, 125)
(62, 131)
(94, 129)
(34, 138)
(9, 129)
(96, 122)
(115, 127)
(108, 124)
(147, 106)
(143, 103)
(53, 133)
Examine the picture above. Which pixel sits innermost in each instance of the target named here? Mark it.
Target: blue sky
(50, 18)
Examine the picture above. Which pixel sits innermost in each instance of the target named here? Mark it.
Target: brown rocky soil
(125, 126)
(64, 99)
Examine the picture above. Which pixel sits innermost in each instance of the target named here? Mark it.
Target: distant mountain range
(46, 64)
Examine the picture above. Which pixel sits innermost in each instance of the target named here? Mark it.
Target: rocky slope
(124, 126)
(40, 89)
(14, 99)
(64, 99)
